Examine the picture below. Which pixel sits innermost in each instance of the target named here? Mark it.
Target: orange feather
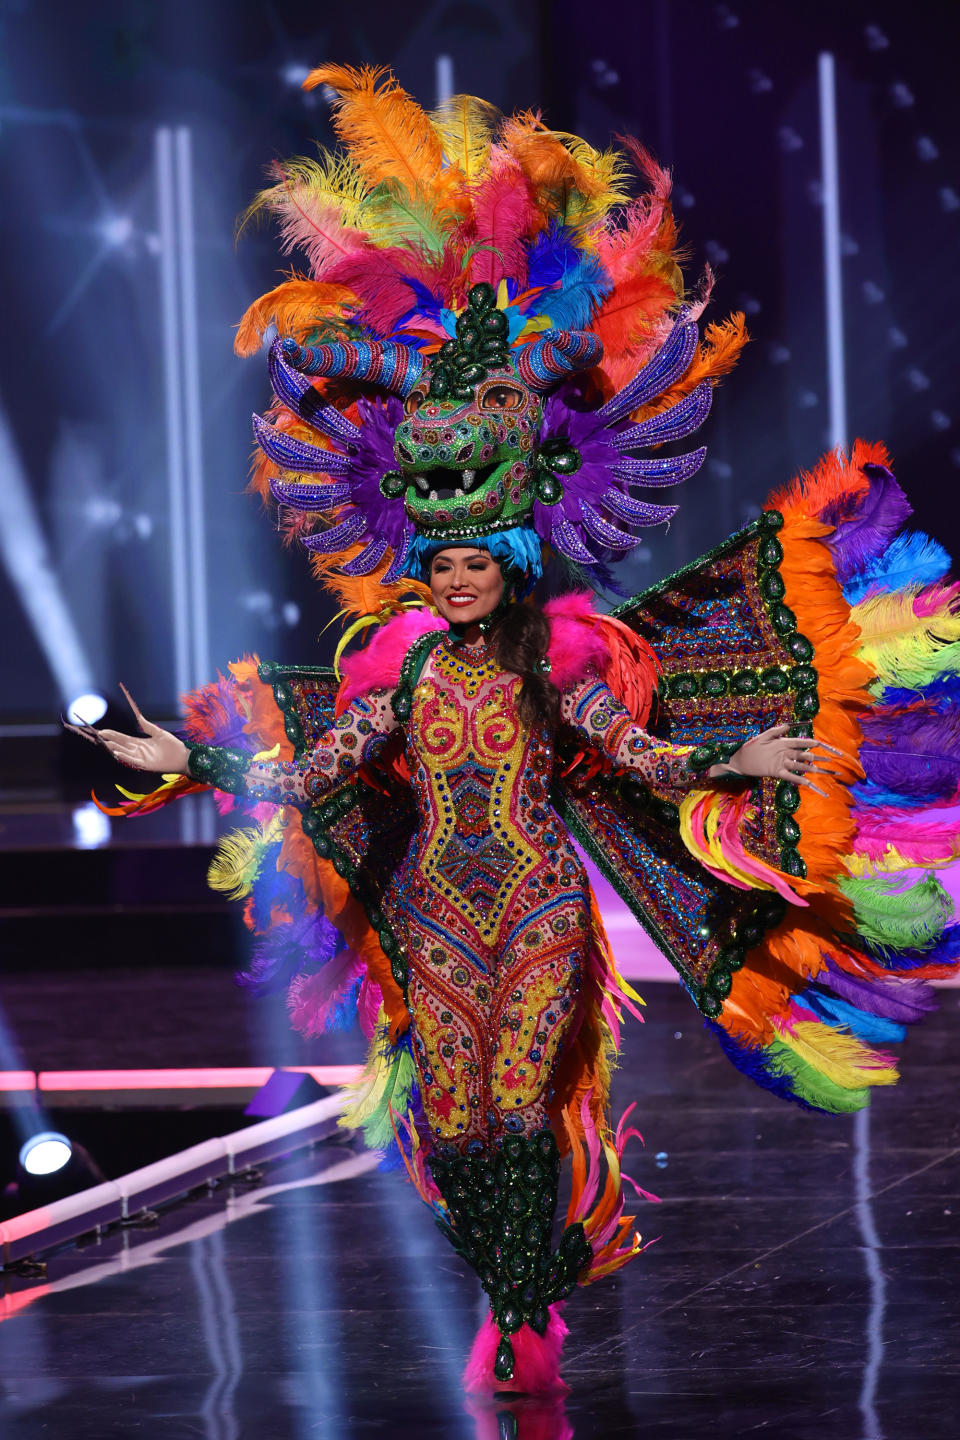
(296, 307)
(716, 356)
(387, 133)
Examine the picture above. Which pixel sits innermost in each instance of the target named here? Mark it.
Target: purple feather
(565, 537)
(667, 365)
(368, 559)
(661, 470)
(913, 753)
(295, 391)
(602, 531)
(301, 947)
(213, 716)
(902, 1000)
(316, 495)
(673, 424)
(869, 531)
(637, 512)
(338, 537)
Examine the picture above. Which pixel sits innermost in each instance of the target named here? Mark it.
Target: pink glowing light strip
(249, 1078)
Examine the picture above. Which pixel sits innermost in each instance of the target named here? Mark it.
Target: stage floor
(805, 1284)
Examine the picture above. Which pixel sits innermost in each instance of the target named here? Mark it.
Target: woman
(491, 326)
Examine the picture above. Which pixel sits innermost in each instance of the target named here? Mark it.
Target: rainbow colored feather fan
(521, 316)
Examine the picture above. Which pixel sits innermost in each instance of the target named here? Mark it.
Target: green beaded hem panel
(364, 830)
(733, 664)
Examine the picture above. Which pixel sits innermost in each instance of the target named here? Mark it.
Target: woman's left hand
(783, 757)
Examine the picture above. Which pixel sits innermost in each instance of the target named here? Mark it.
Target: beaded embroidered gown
(495, 902)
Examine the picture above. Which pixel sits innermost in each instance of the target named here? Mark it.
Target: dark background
(726, 94)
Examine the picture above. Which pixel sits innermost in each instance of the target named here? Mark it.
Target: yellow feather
(892, 861)
(234, 867)
(842, 1058)
(464, 125)
(331, 179)
(268, 754)
(905, 648)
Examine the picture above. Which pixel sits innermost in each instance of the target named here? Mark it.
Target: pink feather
(732, 846)
(379, 277)
(576, 642)
(318, 231)
(368, 1006)
(536, 1368)
(503, 215)
(377, 666)
(312, 1000)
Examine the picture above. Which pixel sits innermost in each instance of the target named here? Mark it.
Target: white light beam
(833, 280)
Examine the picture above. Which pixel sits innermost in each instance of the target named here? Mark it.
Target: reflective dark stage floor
(806, 1284)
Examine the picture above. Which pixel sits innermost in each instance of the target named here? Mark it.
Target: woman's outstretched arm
(356, 737)
(669, 770)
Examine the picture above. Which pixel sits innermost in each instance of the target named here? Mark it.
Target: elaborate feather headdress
(489, 326)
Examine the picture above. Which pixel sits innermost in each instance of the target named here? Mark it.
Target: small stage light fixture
(46, 1153)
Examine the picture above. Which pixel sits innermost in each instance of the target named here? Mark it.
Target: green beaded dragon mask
(478, 447)
(491, 328)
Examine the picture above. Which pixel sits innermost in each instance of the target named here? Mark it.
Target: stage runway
(804, 1284)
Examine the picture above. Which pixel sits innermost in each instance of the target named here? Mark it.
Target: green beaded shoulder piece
(410, 671)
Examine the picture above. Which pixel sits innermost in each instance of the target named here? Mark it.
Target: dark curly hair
(519, 641)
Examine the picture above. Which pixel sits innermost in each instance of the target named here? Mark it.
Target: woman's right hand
(159, 751)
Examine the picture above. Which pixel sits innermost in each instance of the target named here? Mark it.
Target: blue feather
(945, 952)
(911, 559)
(943, 694)
(582, 289)
(273, 887)
(427, 304)
(754, 1065)
(550, 256)
(870, 794)
(875, 1029)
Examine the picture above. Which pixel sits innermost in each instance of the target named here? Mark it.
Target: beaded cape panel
(365, 826)
(733, 664)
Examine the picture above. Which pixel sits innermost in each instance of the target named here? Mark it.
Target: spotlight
(46, 1153)
(87, 709)
(50, 1168)
(117, 230)
(294, 75)
(91, 828)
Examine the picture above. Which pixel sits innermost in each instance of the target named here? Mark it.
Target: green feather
(385, 1087)
(812, 1085)
(890, 919)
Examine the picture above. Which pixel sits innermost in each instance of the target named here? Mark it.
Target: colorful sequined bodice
(481, 781)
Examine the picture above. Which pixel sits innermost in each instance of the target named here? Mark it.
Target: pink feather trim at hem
(536, 1369)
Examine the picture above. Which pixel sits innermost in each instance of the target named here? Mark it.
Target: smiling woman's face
(466, 585)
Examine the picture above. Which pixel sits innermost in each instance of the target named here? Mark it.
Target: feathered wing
(805, 926)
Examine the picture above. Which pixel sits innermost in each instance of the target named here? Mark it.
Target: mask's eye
(412, 403)
(501, 397)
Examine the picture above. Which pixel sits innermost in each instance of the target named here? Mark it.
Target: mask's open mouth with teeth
(446, 484)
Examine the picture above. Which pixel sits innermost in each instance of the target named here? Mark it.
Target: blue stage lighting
(46, 1153)
(87, 709)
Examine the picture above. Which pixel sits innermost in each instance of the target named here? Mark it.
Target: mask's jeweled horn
(556, 354)
(386, 363)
